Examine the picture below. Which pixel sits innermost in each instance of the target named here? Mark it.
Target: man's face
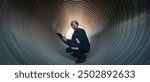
(74, 25)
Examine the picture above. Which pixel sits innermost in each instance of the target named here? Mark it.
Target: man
(79, 44)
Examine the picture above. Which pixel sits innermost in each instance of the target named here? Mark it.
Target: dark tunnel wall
(119, 30)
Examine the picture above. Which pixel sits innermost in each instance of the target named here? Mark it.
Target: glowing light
(69, 33)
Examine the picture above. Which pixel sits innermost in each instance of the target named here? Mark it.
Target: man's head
(74, 25)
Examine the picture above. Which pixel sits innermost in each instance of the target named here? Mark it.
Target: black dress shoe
(80, 61)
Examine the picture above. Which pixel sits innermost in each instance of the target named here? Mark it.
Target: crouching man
(79, 44)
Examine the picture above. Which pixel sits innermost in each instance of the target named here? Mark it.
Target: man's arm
(81, 37)
(72, 43)
(77, 42)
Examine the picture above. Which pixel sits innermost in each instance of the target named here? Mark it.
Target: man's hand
(64, 39)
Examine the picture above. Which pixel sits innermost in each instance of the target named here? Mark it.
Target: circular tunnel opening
(118, 30)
